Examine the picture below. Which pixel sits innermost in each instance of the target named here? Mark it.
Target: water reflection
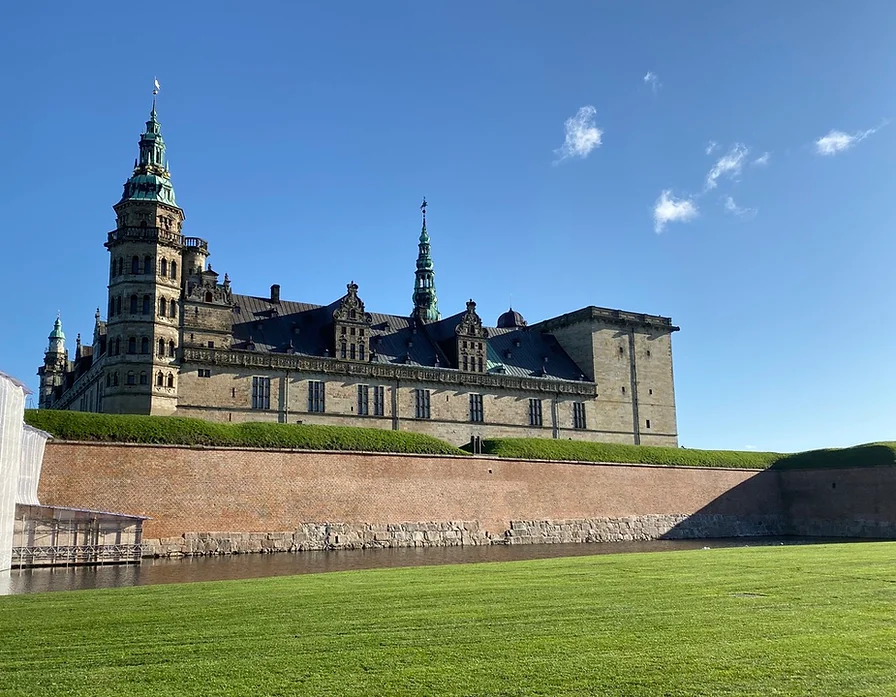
(188, 569)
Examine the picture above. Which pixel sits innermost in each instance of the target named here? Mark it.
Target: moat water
(241, 566)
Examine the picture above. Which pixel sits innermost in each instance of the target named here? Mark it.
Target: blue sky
(302, 137)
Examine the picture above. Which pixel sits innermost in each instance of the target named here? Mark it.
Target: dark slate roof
(278, 327)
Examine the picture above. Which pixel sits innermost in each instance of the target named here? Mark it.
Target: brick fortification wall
(233, 500)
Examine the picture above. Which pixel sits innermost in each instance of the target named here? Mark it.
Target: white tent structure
(12, 410)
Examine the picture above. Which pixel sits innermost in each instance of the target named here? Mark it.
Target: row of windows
(261, 399)
(133, 378)
(162, 349)
(136, 306)
(166, 269)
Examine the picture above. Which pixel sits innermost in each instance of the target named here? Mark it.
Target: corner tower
(146, 252)
(52, 374)
(426, 304)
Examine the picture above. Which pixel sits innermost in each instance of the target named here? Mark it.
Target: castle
(178, 340)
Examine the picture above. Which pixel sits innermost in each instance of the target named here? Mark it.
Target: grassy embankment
(870, 455)
(70, 425)
(172, 430)
(814, 620)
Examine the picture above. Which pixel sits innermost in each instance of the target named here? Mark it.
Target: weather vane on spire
(423, 208)
(155, 86)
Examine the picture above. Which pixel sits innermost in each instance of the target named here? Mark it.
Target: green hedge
(173, 430)
(870, 455)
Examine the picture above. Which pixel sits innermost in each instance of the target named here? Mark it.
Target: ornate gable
(351, 327)
(472, 341)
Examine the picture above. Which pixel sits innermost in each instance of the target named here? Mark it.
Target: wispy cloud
(839, 141)
(710, 146)
(669, 209)
(734, 209)
(762, 160)
(729, 165)
(582, 135)
(651, 79)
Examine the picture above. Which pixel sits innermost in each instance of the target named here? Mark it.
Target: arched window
(144, 345)
(170, 380)
(163, 307)
(135, 264)
(144, 379)
(111, 307)
(133, 304)
(108, 379)
(120, 266)
(146, 304)
(163, 267)
(171, 348)
(172, 309)
(161, 347)
(132, 345)
(114, 267)
(173, 269)
(208, 297)
(147, 265)
(117, 351)
(160, 379)
(115, 379)
(132, 379)
(117, 304)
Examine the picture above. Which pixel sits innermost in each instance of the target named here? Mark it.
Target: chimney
(275, 293)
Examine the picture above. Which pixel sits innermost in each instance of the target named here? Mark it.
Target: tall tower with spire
(145, 269)
(426, 303)
(52, 374)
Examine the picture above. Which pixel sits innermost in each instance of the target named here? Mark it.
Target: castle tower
(426, 304)
(146, 252)
(55, 364)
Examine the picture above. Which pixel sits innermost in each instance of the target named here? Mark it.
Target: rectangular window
(476, 408)
(535, 412)
(379, 400)
(205, 372)
(578, 415)
(648, 423)
(363, 396)
(316, 396)
(421, 404)
(261, 393)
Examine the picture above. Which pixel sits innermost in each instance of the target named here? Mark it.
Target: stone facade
(178, 340)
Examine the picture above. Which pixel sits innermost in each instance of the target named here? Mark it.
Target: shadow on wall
(753, 508)
(806, 497)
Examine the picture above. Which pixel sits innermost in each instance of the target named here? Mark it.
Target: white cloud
(651, 79)
(733, 208)
(730, 165)
(838, 141)
(582, 135)
(763, 159)
(669, 209)
(710, 146)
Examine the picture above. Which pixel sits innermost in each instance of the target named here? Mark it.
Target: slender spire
(151, 180)
(426, 303)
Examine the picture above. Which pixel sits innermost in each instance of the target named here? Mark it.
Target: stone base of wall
(647, 527)
(331, 536)
(858, 528)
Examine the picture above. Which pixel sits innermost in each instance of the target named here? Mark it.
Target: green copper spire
(151, 180)
(426, 304)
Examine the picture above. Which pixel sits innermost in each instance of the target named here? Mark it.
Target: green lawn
(815, 620)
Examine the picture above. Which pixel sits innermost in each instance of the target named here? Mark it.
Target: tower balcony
(195, 242)
(147, 234)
